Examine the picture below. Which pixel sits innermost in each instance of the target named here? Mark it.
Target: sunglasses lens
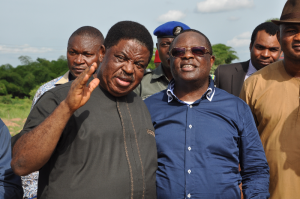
(198, 51)
(178, 52)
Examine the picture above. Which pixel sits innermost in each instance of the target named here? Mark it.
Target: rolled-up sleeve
(10, 184)
(254, 165)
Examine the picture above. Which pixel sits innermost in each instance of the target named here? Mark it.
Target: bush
(3, 90)
(6, 99)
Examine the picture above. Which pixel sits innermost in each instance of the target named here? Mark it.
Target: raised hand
(79, 92)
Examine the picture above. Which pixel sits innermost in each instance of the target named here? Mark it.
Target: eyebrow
(277, 48)
(291, 26)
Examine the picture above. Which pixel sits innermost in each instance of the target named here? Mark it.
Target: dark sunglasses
(196, 51)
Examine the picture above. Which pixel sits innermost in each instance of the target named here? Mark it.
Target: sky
(41, 28)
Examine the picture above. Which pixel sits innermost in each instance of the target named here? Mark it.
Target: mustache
(79, 67)
(124, 76)
(295, 43)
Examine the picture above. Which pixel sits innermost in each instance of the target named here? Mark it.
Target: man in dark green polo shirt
(93, 137)
(158, 79)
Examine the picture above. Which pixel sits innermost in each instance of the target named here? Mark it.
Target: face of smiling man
(123, 66)
(189, 67)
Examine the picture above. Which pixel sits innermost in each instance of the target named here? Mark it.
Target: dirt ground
(14, 125)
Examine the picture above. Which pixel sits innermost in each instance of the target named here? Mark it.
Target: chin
(119, 92)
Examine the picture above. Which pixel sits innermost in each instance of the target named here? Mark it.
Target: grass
(14, 112)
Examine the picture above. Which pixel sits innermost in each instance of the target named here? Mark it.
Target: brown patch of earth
(16, 119)
(8, 123)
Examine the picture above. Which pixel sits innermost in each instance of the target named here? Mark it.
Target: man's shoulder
(232, 101)
(49, 85)
(227, 67)
(221, 95)
(59, 91)
(2, 125)
(269, 72)
(156, 98)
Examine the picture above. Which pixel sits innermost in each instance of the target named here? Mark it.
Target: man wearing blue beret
(158, 79)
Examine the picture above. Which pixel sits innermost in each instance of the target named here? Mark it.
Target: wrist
(66, 109)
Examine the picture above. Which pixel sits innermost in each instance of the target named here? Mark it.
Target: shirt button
(189, 171)
(191, 106)
(189, 195)
(190, 126)
(189, 148)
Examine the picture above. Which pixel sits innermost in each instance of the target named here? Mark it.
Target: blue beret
(170, 29)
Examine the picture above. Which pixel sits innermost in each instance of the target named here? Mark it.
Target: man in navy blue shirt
(203, 133)
(10, 183)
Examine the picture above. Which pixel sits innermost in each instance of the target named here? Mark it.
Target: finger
(90, 88)
(93, 84)
(87, 74)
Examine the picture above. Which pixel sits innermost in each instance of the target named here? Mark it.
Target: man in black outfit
(93, 137)
(264, 50)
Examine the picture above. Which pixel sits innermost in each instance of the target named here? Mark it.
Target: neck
(190, 91)
(167, 72)
(71, 77)
(292, 67)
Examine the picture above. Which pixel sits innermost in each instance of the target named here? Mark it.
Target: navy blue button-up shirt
(200, 146)
(10, 183)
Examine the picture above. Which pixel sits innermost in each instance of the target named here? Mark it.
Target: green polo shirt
(152, 82)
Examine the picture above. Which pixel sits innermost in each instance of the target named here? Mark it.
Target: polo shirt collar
(209, 94)
(64, 79)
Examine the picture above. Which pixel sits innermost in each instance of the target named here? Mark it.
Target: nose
(128, 67)
(188, 54)
(297, 37)
(79, 59)
(266, 53)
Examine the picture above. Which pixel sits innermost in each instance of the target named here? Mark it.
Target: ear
(212, 61)
(250, 47)
(102, 53)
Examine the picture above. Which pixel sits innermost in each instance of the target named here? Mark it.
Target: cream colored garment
(273, 97)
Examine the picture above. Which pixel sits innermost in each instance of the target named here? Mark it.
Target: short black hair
(129, 30)
(196, 31)
(88, 31)
(269, 27)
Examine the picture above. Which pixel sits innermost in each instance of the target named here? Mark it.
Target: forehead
(264, 38)
(82, 41)
(130, 46)
(167, 39)
(189, 39)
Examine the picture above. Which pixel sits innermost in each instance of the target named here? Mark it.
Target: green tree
(270, 20)
(224, 55)
(19, 81)
(3, 90)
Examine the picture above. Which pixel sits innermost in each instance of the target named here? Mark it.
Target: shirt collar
(209, 94)
(64, 79)
(251, 69)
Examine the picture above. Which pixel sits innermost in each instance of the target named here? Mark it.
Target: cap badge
(177, 30)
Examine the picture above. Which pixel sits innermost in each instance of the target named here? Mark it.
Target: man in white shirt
(264, 50)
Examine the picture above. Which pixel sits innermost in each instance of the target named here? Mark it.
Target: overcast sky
(41, 28)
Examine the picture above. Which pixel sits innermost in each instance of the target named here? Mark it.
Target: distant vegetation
(19, 81)
(224, 55)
